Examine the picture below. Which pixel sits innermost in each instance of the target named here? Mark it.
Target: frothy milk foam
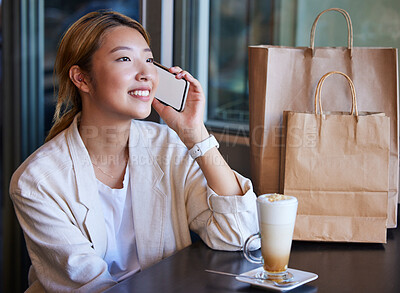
(277, 215)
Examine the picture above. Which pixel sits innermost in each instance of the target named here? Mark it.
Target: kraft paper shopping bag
(337, 165)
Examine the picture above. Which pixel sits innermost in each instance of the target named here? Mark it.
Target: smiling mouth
(139, 93)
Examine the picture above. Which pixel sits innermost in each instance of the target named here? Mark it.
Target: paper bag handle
(318, 91)
(349, 29)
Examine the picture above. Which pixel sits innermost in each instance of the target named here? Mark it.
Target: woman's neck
(107, 145)
(105, 140)
(104, 144)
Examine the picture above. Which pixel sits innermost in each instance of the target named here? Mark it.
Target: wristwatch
(200, 148)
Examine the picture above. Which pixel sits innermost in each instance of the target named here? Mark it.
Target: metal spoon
(284, 283)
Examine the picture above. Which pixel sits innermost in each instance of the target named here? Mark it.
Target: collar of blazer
(148, 200)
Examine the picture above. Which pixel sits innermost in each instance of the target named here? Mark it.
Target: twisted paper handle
(349, 29)
(318, 91)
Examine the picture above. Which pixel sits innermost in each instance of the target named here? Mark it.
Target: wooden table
(341, 267)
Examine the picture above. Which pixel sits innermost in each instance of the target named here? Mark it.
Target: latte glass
(276, 219)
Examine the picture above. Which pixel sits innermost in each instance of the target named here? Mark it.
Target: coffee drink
(276, 216)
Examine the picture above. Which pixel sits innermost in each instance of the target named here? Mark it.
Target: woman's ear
(78, 78)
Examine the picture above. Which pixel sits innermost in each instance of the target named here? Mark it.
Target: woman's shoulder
(151, 126)
(163, 143)
(47, 161)
(157, 133)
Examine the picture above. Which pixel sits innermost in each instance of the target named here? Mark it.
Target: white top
(121, 255)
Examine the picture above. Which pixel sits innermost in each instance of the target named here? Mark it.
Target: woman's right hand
(188, 124)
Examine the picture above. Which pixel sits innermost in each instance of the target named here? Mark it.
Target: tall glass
(276, 218)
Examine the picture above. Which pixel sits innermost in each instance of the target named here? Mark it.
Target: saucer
(301, 277)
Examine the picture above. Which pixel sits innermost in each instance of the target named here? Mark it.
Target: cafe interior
(239, 51)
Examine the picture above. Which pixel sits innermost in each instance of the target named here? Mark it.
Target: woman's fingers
(175, 69)
(182, 74)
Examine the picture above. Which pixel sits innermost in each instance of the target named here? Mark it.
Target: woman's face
(123, 77)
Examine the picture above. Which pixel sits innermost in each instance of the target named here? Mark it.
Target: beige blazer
(57, 204)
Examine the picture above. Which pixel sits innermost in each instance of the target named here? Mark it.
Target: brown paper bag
(337, 165)
(284, 78)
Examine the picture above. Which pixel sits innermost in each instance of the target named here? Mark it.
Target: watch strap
(200, 148)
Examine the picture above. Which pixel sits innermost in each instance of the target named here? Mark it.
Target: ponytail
(62, 122)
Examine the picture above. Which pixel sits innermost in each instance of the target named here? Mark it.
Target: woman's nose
(146, 72)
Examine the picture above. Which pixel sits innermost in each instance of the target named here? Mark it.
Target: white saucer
(301, 277)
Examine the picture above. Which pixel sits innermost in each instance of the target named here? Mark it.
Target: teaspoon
(284, 283)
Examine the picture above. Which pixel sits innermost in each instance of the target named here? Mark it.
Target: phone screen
(171, 91)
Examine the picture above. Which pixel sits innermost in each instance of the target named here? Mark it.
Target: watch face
(195, 151)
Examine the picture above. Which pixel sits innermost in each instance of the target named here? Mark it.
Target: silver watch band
(200, 148)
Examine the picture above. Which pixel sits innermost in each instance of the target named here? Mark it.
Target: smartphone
(171, 91)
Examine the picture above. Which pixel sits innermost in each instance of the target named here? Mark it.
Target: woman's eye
(150, 60)
(124, 59)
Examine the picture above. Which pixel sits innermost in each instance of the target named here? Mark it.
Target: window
(210, 40)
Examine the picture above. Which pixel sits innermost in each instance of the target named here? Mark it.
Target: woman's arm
(190, 128)
(222, 222)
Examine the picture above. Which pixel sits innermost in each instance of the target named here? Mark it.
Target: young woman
(109, 195)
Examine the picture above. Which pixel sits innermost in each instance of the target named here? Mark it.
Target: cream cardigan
(56, 201)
